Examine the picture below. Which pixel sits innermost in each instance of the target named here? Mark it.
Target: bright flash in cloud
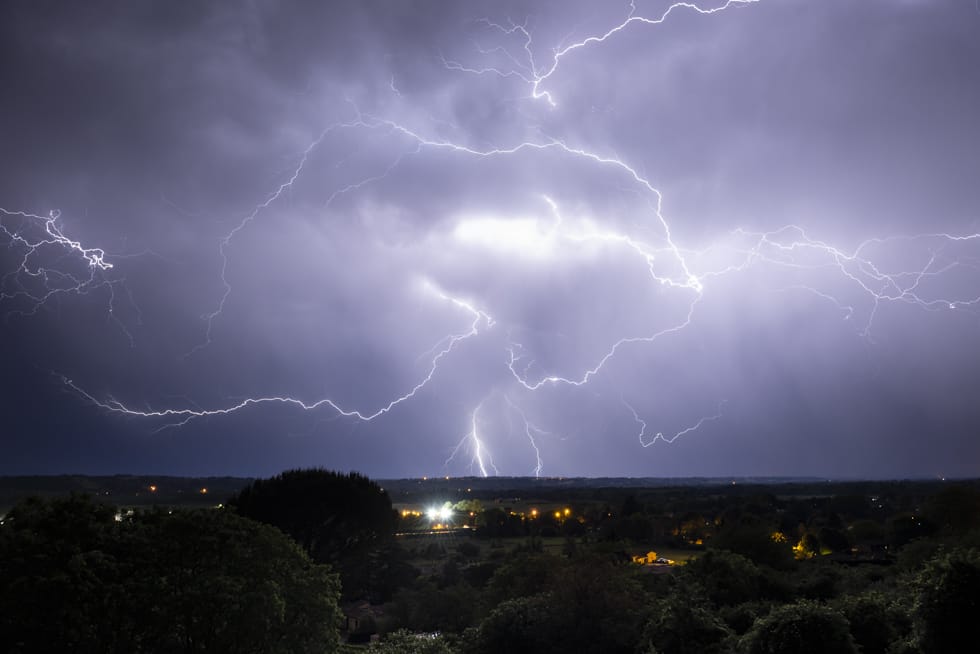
(524, 237)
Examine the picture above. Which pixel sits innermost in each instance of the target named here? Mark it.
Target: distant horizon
(543, 478)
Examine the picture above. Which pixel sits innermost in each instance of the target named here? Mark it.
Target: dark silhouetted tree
(591, 606)
(801, 628)
(77, 580)
(727, 578)
(874, 623)
(337, 518)
(948, 603)
(683, 625)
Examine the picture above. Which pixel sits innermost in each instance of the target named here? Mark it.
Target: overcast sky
(348, 233)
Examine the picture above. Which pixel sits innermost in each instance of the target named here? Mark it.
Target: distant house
(646, 559)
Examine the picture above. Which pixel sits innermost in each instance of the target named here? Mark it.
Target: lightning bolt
(49, 264)
(530, 429)
(690, 272)
(481, 456)
(526, 69)
(184, 415)
(668, 439)
(779, 248)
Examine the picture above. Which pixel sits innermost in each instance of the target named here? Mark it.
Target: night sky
(516, 238)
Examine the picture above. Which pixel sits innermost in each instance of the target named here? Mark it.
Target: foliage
(524, 575)
(727, 578)
(592, 606)
(948, 602)
(801, 628)
(684, 625)
(77, 580)
(337, 518)
(955, 508)
(753, 539)
(429, 608)
(820, 580)
(523, 624)
(874, 621)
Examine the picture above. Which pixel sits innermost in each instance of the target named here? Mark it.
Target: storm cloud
(752, 231)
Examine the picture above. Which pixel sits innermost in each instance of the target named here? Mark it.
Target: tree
(516, 626)
(337, 518)
(77, 579)
(753, 539)
(60, 588)
(948, 602)
(682, 625)
(591, 606)
(955, 509)
(429, 608)
(212, 581)
(801, 628)
(524, 575)
(727, 578)
(873, 621)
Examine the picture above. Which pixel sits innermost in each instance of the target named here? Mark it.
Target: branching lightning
(668, 439)
(182, 416)
(689, 272)
(526, 68)
(481, 458)
(49, 264)
(530, 430)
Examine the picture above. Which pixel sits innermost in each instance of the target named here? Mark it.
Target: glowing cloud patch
(525, 237)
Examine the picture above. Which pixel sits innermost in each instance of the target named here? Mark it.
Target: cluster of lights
(439, 514)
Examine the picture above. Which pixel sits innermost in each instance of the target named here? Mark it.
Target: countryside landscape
(488, 565)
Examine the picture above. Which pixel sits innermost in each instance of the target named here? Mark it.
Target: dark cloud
(158, 129)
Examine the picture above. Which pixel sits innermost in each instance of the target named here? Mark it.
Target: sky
(476, 238)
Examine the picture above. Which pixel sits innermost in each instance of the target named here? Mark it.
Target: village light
(443, 514)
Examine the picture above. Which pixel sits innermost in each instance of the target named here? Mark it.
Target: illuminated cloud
(726, 238)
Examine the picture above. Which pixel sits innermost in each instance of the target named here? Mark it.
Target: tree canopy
(206, 580)
(338, 518)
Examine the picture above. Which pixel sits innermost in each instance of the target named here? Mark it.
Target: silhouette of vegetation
(948, 602)
(514, 566)
(77, 578)
(801, 628)
(340, 519)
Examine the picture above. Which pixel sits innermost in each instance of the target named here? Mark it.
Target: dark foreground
(315, 561)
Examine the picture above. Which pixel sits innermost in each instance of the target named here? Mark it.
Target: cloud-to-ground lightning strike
(481, 458)
(690, 272)
(530, 429)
